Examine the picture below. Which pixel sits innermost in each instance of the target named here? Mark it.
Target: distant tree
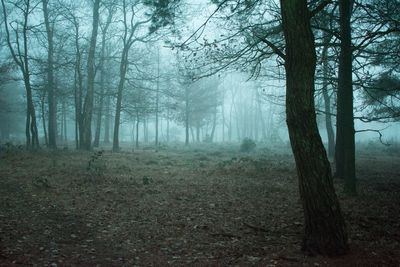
(86, 129)
(77, 61)
(103, 72)
(50, 86)
(138, 106)
(11, 103)
(19, 51)
(130, 36)
(160, 14)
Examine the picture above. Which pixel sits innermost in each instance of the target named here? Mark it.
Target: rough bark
(325, 231)
(345, 143)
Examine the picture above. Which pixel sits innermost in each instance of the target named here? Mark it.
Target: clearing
(203, 206)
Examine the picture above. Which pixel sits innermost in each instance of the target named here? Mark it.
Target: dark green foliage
(247, 145)
(384, 86)
(164, 13)
(381, 97)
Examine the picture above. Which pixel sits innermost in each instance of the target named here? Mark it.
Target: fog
(228, 98)
(199, 133)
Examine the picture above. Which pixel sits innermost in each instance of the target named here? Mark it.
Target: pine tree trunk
(345, 143)
(325, 231)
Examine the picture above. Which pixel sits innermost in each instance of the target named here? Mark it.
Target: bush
(247, 145)
(96, 165)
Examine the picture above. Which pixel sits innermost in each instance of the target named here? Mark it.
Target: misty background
(181, 77)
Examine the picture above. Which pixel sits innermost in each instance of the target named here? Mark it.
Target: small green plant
(96, 165)
(247, 145)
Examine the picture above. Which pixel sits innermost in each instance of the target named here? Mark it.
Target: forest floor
(183, 207)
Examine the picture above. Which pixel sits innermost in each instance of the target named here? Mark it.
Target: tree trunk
(96, 141)
(21, 59)
(168, 111)
(31, 115)
(86, 141)
(64, 110)
(133, 132)
(52, 133)
(123, 68)
(223, 117)
(146, 130)
(261, 119)
(325, 231)
(137, 131)
(46, 140)
(187, 116)
(78, 89)
(197, 132)
(327, 102)
(107, 122)
(214, 125)
(345, 143)
(157, 95)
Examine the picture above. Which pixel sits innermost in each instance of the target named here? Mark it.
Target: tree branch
(320, 7)
(375, 131)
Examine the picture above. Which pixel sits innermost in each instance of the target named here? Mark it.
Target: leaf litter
(182, 208)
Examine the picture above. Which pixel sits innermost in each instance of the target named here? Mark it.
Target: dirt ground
(204, 206)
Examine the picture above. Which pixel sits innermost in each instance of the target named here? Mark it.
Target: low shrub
(247, 145)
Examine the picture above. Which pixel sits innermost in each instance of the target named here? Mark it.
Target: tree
(104, 30)
(129, 38)
(345, 140)
(52, 125)
(381, 98)
(86, 130)
(11, 104)
(325, 231)
(19, 53)
(161, 14)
